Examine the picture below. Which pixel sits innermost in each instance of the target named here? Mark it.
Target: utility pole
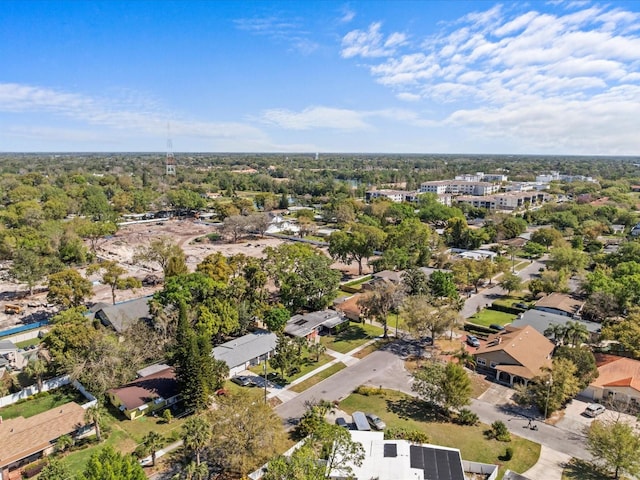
(546, 403)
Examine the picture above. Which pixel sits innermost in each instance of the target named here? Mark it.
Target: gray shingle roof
(243, 349)
(541, 320)
(303, 325)
(122, 315)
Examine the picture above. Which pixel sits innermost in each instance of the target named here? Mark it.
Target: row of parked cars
(363, 421)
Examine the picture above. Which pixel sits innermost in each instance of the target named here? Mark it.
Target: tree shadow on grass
(418, 410)
(578, 469)
(351, 333)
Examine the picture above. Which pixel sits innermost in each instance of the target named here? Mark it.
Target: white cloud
(315, 117)
(371, 43)
(118, 114)
(347, 15)
(526, 67)
(279, 29)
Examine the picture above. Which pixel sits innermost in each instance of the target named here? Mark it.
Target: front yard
(487, 317)
(399, 410)
(353, 336)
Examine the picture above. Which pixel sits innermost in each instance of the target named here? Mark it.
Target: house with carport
(249, 350)
(313, 324)
(514, 356)
(560, 304)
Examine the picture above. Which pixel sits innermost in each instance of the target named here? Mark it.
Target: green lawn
(308, 364)
(124, 435)
(486, 317)
(351, 337)
(28, 343)
(510, 300)
(402, 411)
(317, 378)
(42, 403)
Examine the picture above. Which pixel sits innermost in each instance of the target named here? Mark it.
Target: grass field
(351, 337)
(402, 411)
(487, 316)
(308, 364)
(42, 403)
(28, 343)
(124, 435)
(317, 378)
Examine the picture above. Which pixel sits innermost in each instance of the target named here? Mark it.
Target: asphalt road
(488, 295)
(385, 368)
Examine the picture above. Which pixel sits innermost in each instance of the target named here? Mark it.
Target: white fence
(481, 468)
(47, 385)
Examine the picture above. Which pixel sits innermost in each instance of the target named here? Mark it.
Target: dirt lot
(121, 248)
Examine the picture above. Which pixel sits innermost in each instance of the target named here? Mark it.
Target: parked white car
(594, 409)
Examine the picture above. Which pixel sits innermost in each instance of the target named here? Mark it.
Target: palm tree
(153, 442)
(196, 435)
(317, 349)
(557, 332)
(576, 333)
(93, 415)
(196, 472)
(36, 370)
(466, 358)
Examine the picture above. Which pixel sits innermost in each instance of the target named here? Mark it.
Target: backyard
(399, 410)
(42, 402)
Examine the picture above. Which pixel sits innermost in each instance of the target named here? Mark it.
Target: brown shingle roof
(21, 437)
(561, 301)
(617, 371)
(526, 346)
(146, 389)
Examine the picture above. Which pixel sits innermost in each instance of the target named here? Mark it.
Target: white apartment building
(459, 187)
(396, 196)
(505, 201)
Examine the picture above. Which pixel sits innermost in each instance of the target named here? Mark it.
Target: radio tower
(171, 160)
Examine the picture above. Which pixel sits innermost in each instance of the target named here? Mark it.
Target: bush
(467, 417)
(499, 431)
(367, 390)
(34, 468)
(399, 433)
(508, 454)
(214, 237)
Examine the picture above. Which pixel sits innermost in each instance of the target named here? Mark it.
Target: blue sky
(557, 77)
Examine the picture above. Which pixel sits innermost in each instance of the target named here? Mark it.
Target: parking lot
(575, 420)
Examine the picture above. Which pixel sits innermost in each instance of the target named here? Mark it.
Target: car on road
(473, 341)
(594, 409)
(341, 422)
(243, 381)
(375, 421)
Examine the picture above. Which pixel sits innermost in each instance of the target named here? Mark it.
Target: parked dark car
(473, 341)
(243, 381)
(521, 305)
(495, 326)
(341, 422)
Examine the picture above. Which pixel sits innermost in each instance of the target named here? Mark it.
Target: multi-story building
(505, 201)
(459, 187)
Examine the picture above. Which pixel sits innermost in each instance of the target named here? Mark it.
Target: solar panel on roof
(415, 457)
(430, 466)
(455, 466)
(442, 464)
(390, 450)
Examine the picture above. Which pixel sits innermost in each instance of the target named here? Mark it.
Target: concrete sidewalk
(284, 394)
(549, 466)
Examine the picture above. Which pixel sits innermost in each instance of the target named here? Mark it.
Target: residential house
(24, 440)
(11, 357)
(560, 304)
(541, 320)
(350, 308)
(146, 394)
(618, 381)
(243, 352)
(122, 315)
(404, 460)
(312, 325)
(515, 355)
